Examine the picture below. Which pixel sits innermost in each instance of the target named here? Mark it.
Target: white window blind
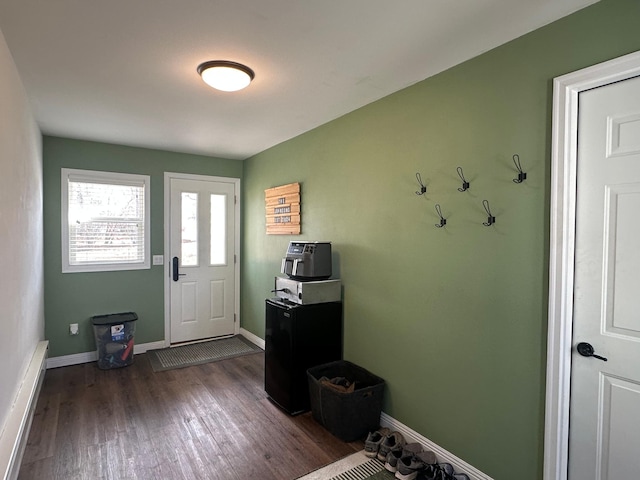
(106, 223)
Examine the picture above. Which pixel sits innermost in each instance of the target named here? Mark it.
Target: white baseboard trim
(14, 435)
(88, 357)
(144, 347)
(442, 455)
(252, 338)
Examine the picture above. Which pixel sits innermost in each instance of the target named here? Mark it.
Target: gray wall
(21, 282)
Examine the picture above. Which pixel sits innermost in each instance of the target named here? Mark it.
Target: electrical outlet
(73, 329)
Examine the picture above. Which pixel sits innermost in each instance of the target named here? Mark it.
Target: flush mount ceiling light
(226, 76)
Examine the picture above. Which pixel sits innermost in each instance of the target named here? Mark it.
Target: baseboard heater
(13, 439)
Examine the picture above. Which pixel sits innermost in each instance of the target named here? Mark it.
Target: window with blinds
(105, 221)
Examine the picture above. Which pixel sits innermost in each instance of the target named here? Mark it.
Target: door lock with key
(586, 350)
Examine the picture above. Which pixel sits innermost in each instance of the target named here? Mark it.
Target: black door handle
(586, 350)
(176, 273)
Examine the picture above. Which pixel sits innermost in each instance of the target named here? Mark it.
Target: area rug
(356, 466)
(199, 353)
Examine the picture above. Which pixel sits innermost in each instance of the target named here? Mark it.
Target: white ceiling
(124, 71)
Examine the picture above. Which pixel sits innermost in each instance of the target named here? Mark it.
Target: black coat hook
(490, 219)
(522, 176)
(465, 184)
(443, 221)
(423, 187)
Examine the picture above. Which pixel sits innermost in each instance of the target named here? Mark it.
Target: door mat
(199, 353)
(356, 466)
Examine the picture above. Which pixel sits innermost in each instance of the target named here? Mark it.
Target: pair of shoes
(393, 442)
(413, 463)
(373, 441)
(439, 471)
(443, 471)
(391, 463)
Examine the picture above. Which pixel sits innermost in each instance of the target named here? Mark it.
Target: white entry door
(604, 421)
(202, 259)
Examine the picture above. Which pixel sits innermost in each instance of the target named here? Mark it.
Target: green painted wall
(455, 318)
(76, 297)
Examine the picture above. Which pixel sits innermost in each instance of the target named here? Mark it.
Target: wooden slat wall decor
(283, 209)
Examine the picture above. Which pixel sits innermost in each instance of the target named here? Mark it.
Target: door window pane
(218, 229)
(189, 253)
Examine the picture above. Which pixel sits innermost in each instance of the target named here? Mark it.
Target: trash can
(347, 415)
(114, 334)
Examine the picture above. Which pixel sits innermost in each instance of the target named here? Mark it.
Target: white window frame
(106, 178)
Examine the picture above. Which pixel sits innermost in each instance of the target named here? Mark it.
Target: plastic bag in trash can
(114, 335)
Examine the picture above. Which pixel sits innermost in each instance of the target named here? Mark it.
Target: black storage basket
(348, 416)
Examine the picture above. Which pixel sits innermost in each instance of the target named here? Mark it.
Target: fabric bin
(347, 415)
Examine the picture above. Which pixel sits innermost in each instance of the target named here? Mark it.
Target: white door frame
(562, 249)
(168, 176)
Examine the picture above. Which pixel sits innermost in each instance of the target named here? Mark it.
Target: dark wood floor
(211, 421)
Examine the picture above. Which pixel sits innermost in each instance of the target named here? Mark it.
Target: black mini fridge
(298, 337)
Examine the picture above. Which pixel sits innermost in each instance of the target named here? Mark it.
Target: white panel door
(604, 421)
(202, 229)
